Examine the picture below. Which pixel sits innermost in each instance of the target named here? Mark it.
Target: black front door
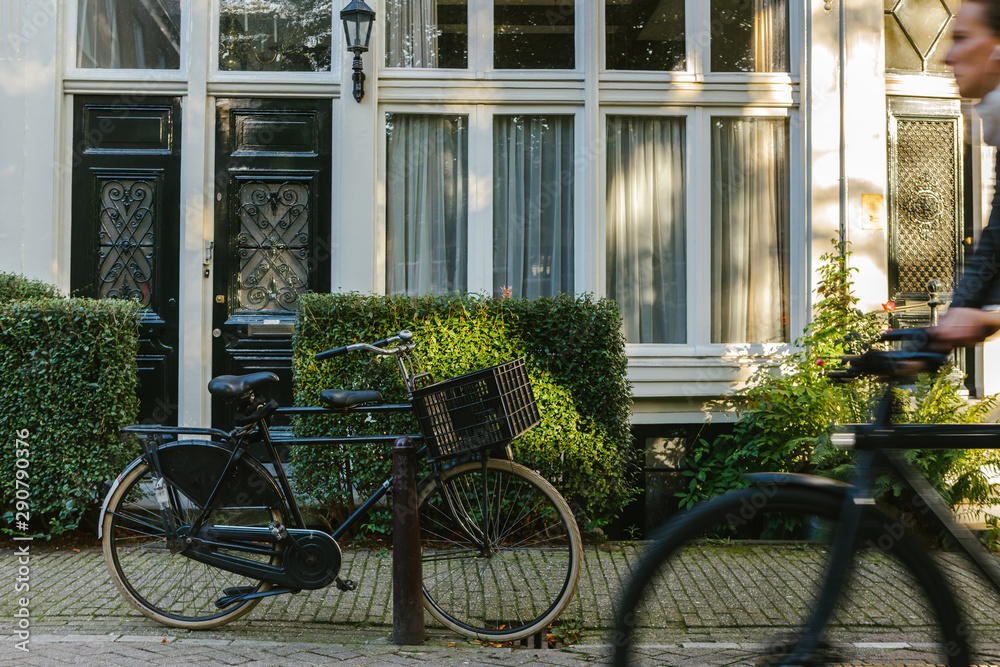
(126, 227)
(272, 231)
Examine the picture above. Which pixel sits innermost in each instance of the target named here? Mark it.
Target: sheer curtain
(770, 35)
(427, 203)
(411, 33)
(533, 205)
(646, 259)
(749, 230)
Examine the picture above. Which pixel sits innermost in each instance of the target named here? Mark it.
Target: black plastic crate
(477, 410)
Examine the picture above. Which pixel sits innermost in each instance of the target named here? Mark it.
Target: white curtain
(770, 35)
(411, 33)
(749, 230)
(533, 205)
(427, 203)
(646, 261)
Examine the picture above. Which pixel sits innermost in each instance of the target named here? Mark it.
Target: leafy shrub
(787, 414)
(67, 379)
(576, 361)
(15, 287)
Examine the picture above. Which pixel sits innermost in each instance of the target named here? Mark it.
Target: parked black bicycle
(845, 579)
(196, 532)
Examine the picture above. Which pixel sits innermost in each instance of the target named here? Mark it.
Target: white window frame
(698, 239)
(143, 77)
(480, 215)
(480, 51)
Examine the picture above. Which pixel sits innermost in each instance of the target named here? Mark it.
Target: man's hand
(962, 327)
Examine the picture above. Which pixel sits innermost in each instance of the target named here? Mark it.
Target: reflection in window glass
(427, 204)
(129, 34)
(275, 35)
(529, 35)
(427, 33)
(533, 205)
(645, 35)
(647, 266)
(749, 36)
(750, 226)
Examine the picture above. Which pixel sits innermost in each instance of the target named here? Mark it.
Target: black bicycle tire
(129, 587)
(688, 525)
(574, 550)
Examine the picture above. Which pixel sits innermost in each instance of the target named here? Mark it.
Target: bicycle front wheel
(171, 588)
(501, 550)
(735, 580)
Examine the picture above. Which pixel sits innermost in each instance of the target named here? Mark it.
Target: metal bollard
(933, 302)
(407, 575)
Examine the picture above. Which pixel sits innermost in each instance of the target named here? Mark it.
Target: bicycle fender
(111, 492)
(190, 465)
(795, 479)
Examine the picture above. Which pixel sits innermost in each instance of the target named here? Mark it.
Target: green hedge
(576, 360)
(67, 384)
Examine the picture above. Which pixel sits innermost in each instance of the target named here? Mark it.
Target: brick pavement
(720, 595)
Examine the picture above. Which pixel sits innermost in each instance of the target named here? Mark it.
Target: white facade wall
(835, 97)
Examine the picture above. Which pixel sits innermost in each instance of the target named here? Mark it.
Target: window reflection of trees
(275, 35)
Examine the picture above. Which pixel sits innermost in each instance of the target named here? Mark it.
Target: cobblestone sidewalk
(726, 597)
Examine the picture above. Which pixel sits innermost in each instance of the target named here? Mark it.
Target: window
(529, 35)
(427, 203)
(647, 267)
(916, 35)
(427, 33)
(128, 34)
(750, 228)
(749, 36)
(646, 35)
(533, 179)
(275, 36)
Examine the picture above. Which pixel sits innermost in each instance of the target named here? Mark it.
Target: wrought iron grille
(273, 245)
(926, 206)
(126, 239)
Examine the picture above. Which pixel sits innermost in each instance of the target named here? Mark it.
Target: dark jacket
(980, 281)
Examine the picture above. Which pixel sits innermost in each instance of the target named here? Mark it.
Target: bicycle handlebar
(403, 336)
(917, 356)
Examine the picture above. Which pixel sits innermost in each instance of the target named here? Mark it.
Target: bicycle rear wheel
(171, 588)
(501, 550)
(708, 591)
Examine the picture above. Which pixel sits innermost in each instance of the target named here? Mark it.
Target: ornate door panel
(272, 231)
(925, 200)
(126, 227)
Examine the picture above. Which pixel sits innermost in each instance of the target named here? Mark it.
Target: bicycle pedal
(346, 584)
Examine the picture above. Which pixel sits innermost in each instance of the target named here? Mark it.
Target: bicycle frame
(877, 444)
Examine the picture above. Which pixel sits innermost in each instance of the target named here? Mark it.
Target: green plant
(566, 632)
(786, 413)
(576, 361)
(67, 382)
(15, 287)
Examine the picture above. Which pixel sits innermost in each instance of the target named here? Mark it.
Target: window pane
(533, 205)
(646, 35)
(647, 265)
(529, 35)
(750, 230)
(427, 33)
(749, 36)
(275, 36)
(129, 34)
(427, 203)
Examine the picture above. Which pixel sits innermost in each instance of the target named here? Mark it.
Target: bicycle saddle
(339, 398)
(231, 386)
